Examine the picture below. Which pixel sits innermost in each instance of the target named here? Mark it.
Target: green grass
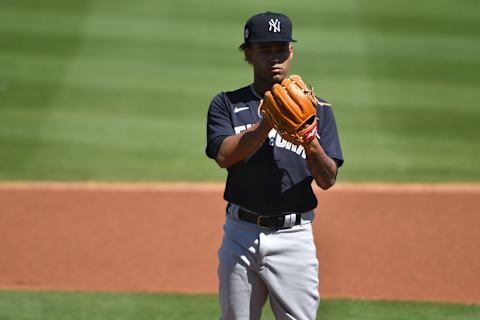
(25, 305)
(119, 90)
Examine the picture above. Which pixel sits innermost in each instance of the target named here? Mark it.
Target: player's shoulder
(228, 100)
(242, 94)
(234, 96)
(324, 110)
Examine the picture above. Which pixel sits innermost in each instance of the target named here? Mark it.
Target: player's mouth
(276, 70)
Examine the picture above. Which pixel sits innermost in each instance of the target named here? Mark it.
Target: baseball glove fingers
(290, 109)
(308, 91)
(293, 113)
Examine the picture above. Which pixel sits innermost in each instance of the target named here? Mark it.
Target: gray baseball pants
(256, 263)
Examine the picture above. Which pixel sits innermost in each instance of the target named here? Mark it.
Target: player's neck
(261, 85)
(259, 91)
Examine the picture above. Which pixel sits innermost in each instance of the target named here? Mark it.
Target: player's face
(270, 60)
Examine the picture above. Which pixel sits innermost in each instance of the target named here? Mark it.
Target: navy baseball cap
(268, 27)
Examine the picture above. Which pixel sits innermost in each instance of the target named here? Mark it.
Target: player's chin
(277, 77)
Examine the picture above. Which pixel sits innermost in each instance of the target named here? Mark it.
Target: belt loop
(233, 210)
(298, 219)
(286, 221)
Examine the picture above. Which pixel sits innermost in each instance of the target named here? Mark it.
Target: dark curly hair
(243, 47)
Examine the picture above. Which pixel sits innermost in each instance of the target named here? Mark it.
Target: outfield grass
(23, 305)
(118, 90)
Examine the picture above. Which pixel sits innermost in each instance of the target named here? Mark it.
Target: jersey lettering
(242, 128)
(275, 139)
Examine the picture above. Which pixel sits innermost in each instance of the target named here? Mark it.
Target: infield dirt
(388, 241)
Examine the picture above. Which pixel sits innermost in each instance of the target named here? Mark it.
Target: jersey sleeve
(329, 139)
(219, 124)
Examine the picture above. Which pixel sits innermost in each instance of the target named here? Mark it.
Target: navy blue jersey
(276, 177)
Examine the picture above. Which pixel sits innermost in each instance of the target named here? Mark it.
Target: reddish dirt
(409, 242)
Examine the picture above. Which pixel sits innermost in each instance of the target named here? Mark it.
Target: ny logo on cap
(274, 25)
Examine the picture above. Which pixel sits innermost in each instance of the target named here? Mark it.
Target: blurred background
(119, 90)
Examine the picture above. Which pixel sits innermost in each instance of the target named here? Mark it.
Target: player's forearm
(322, 167)
(237, 147)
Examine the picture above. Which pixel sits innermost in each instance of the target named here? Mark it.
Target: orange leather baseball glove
(290, 109)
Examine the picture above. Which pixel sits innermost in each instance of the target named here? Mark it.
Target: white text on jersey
(275, 139)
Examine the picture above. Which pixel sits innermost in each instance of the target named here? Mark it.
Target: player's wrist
(311, 133)
(313, 146)
(265, 125)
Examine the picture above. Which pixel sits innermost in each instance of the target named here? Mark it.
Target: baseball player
(272, 158)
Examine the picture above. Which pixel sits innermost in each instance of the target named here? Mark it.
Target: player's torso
(277, 171)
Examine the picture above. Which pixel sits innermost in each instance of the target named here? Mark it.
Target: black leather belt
(273, 222)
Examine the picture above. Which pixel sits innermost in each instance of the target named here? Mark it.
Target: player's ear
(247, 52)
